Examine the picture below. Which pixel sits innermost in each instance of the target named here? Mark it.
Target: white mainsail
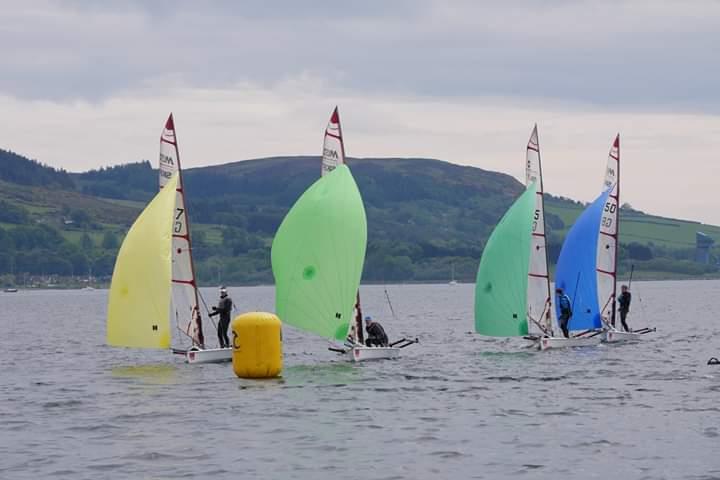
(538, 287)
(184, 308)
(333, 147)
(608, 236)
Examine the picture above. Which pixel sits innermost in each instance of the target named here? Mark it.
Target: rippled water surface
(456, 406)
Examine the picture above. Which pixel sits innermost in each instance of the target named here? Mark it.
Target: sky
(88, 84)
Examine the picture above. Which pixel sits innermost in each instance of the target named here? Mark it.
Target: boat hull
(362, 354)
(613, 336)
(547, 343)
(210, 355)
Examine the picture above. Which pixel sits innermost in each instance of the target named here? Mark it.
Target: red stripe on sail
(537, 275)
(612, 274)
(332, 135)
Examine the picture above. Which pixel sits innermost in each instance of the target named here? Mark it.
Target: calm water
(459, 406)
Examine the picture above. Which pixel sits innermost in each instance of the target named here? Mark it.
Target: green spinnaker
(501, 284)
(318, 255)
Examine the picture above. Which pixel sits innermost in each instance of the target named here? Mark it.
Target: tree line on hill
(425, 218)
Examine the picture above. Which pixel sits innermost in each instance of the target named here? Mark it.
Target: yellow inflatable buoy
(257, 345)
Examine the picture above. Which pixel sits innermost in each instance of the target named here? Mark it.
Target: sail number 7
(179, 220)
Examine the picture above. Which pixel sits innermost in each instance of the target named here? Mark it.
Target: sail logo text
(166, 159)
(327, 153)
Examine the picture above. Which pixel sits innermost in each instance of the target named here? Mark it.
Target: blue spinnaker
(576, 267)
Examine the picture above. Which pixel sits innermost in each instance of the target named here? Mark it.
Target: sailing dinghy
(153, 281)
(334, 155)
(607, 253)
(587, 266)
(185, 309)
(318, 255)
(512, 289)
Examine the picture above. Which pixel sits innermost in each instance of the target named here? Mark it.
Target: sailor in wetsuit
(376, 334)
(624, 305)
(223, 309)
(563, 302)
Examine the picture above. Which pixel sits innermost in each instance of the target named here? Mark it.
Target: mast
(539, 295)
(609, 230)
(359, 336)
(185, 295)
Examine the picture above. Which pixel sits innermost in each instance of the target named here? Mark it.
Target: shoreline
(640, 277)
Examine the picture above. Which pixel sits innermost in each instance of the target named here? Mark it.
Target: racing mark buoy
(257, 345)
(714, 361)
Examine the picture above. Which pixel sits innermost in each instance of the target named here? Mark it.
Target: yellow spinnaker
(139, 305)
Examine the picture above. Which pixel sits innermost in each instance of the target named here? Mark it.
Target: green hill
(423, 216)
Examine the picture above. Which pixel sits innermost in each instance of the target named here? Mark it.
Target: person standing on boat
(223, 309)
(376, 334)
(563, 302)
(624, 305)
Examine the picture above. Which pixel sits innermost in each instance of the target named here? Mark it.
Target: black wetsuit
(624, 307)
(223, 309)
(376, 335)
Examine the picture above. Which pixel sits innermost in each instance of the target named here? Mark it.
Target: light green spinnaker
(502, 278)
(318, 255)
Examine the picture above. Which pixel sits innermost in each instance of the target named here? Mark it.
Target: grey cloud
(631, 53)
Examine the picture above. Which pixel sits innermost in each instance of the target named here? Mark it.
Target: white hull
(612, 336)
(361, 354)
(210, 355)
(546, 343)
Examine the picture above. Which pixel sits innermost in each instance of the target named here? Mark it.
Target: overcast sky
(87, 84)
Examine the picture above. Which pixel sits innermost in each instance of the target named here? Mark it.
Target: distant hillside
(423, 217)
(23, 171)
